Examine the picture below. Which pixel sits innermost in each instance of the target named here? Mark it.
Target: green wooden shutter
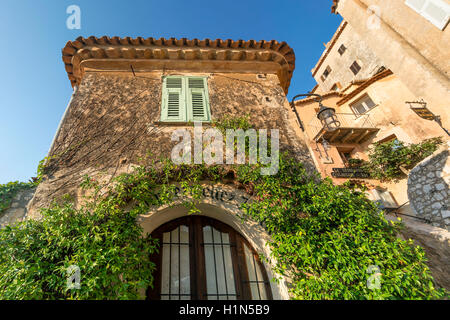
(173, 104)
(198, 100)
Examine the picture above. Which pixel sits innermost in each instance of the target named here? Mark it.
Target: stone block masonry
(428, 190)
(18, 208)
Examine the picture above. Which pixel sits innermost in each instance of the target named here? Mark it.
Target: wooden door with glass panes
(203, 259)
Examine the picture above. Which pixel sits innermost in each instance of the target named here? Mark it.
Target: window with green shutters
(185, 99)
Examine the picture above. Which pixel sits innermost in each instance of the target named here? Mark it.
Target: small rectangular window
(355, 67)
(185, 99)
(435, 11)
(362, 105)
(326, 73)
(342, 49)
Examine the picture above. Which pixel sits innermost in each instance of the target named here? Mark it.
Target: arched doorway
(201, 258)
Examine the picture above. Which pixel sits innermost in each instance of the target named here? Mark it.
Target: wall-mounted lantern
(327, 116)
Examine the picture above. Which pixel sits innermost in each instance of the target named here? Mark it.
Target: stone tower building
(131, 94)
(412, 38)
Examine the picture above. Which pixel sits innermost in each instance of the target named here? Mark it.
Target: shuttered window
(435, 11)
(185, 99)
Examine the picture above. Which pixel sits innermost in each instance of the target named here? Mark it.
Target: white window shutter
(416, 4)
(438, 12)
(435, 11)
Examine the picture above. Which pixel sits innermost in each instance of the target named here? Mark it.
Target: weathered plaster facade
(113, 117)
(413, 48)
(416, 54)
(355, 50)
(391, 117)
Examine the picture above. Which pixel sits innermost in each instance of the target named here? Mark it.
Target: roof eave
(228, 52)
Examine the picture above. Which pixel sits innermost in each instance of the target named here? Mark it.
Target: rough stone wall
(18, 209)
(428, 189)
(113, 121)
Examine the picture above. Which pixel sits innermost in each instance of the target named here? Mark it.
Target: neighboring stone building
(374, 110)
(401, 101)
(388, 102)
(412, 38)
(346, 58)
(130, 95)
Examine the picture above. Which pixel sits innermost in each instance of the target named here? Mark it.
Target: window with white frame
(184, 99)
(363, 105)
(435, 11)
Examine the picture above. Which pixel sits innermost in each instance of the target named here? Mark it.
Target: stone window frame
(243, 283)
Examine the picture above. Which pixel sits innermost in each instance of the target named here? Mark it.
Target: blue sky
(35, 90)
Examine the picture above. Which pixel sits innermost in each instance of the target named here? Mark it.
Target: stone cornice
(231, 55)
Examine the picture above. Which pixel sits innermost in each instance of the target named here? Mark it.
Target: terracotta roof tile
(106, 47)
(325, 95)
(362, 84)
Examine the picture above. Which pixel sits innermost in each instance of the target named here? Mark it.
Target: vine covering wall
(113, 121)
(325, 238)
(100, 177)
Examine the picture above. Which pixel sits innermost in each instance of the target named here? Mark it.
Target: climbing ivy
(387, 159)
(325, 238)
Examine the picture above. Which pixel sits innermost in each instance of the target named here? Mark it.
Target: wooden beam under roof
(348, 135)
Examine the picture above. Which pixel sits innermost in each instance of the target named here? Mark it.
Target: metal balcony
(353, 129)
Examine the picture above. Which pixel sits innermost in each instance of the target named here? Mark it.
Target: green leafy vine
(324, 238)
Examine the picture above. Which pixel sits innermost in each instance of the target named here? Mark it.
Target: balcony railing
(353, 129)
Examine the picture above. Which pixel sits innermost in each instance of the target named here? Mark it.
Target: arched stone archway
(221, 202)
